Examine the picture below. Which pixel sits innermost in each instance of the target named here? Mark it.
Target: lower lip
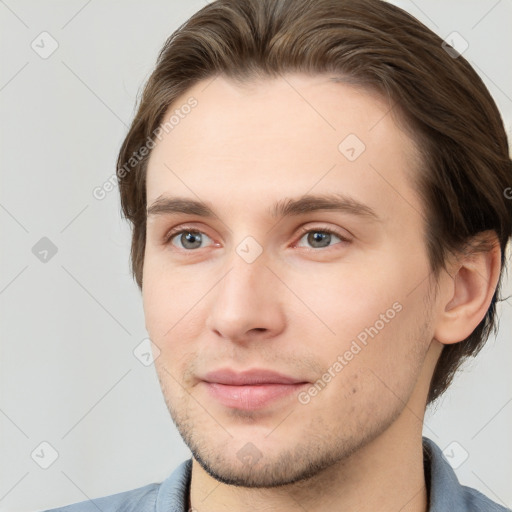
(251, 396)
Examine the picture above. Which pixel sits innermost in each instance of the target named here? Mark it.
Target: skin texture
(298, 306)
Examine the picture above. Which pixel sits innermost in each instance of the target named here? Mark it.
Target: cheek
(369, 319)
(351, 297)
(366, 383)
(171, 297)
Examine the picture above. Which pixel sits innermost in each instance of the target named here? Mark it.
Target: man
(319, 230)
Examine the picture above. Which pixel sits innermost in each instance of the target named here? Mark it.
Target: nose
(247, 303)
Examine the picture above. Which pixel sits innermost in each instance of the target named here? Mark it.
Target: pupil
(318, 236)
(192, 238)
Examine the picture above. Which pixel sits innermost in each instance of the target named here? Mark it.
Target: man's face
(343, 312)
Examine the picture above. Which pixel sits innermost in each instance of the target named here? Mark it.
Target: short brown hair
(456, 124)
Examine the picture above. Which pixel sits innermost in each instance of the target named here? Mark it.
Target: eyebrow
(283, 208)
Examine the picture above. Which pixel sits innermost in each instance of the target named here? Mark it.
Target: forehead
(287, 136)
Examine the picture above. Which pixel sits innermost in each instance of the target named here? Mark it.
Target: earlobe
(469, 294)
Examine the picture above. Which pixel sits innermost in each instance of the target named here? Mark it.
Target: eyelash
(321, 229)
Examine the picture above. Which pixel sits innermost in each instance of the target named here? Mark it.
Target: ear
(468, 294)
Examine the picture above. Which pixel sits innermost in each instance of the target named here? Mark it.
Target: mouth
(252, 389)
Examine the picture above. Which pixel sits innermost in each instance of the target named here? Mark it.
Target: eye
(321, 237)
(188, 238)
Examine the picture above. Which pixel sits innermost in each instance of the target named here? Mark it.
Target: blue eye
(320, 238)
(189, 239)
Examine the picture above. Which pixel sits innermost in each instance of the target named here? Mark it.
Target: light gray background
(69, 326)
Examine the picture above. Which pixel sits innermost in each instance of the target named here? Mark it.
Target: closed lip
(249, 377)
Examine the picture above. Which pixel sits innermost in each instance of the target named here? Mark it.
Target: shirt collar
(174, 491)
(445, 491)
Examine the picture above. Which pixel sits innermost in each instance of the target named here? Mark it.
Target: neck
(386, 474)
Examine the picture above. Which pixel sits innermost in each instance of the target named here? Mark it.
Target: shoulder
(446, 492)
(142, 499)
(169, 496)
(478, 502)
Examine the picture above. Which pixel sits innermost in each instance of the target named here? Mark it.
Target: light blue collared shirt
(446, 494)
